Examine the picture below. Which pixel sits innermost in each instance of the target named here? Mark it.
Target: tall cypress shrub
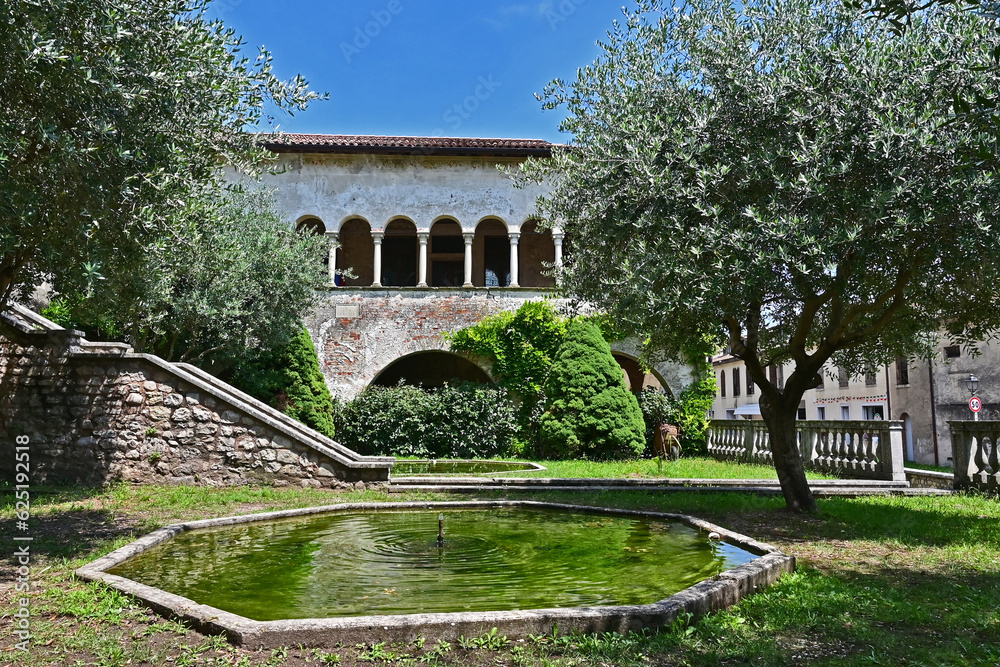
(290, 379)
(589, 412)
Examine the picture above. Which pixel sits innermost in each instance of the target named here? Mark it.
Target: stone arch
(446, 254)
(491, 253)
(673, 376)
(431, 369)
(637, 377)
(357, 252)
(350, 218)
(537, 254)
(311, 223)
(399, 253)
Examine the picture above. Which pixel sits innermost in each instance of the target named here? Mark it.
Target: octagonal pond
(387, 562)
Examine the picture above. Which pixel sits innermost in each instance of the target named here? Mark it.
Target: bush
(460, 421)
(290, 380)
(520, 346)
(589, 412)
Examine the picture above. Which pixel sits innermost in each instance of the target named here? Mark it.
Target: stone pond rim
(715, 593)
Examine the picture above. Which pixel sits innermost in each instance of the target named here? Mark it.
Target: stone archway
(673, 376)
(431, 369)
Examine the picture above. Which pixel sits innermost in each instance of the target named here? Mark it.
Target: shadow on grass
(68, 534)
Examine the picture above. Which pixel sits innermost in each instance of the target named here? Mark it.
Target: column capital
(469, 236)
(422, 237)
(378, 236)
(514, 237)
(558, 236)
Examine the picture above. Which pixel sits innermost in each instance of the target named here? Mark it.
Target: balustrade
(863, 449)
(976, 454)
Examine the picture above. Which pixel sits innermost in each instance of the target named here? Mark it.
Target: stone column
(514, 238)
(469, 238)
(332, 256)
(557, 241)
(422, 262)
(377, 238)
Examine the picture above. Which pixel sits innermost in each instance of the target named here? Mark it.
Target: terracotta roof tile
(347, 143)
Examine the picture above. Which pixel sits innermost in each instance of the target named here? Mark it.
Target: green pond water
(452, 467)
(389, 562)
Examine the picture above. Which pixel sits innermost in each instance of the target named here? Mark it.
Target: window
(873, 411)
(736, 382)
(822, 379)
(902, 371)
(722, 383)
(870, 380)
(781, 377)
(842, 377)
(821, 412)
(750, 385)
(496, 255)
(952, 352)
(845, 412)
(772, 375)
(801, 414)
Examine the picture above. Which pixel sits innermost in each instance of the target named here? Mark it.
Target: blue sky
(414, 67)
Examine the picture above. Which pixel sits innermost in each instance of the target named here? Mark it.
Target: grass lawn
(881, 581)
(684, 468)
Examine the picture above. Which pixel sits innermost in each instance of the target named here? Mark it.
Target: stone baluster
(557, 241)
(514, 239)
(422, 261)
(377, 238)
(332, 238)
(469, 238)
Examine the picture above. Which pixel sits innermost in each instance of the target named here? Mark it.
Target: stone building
(427, 235)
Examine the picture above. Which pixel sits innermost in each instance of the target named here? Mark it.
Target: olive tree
(779, 175)
(115, 117)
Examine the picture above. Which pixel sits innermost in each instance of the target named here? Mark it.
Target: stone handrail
(864, 449)
(976, 454)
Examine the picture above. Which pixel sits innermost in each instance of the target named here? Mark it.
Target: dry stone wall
(95, 413)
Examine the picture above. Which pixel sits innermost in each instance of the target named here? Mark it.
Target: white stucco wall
(381, 188)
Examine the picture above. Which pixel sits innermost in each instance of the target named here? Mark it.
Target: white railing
(864, 449)
(976, 454)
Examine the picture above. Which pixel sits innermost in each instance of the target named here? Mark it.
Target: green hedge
(459, 421)
(589, 412)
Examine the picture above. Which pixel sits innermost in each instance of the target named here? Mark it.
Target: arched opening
(399, 254)
(537, 255)
(446, 254)
(431, 369)
(491, 254)
(636, 378)
(908, 436)
(357, 253)
(311, 225)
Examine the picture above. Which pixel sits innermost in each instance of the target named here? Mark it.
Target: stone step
(549, 482)
(765, 490)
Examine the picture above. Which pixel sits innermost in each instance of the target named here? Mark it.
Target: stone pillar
(892, 455)
(377, 238)
(422, 262)
(557, 241)
(469, 238)
(514, 238)
(332, 256)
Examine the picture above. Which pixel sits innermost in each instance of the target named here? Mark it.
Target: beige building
(924, 395)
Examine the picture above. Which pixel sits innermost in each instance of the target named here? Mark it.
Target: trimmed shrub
(589, 412)
(459, 421)
(290, 379)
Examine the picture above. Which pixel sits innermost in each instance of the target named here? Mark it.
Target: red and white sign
(975, 404)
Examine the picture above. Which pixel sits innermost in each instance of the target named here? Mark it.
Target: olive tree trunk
(779, 414)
